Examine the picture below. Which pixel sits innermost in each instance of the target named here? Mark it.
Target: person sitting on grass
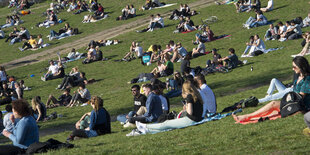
(179, 53)
(215, 61)
(30, 44)
(139, 101)
(54, 71)
(293, 32)
(12, 34)
(306, 21)
(7, 123)
(231, 61)
(82, 95)
(162, 69)
(258, 45)
(206, 36)
(301, 86)
(193, 107)
(200, 50)
(18, 93)
(125, 13)
(5, 94)
(260, 20)
(63, 100)
(100, 122)
(269, 6)
(23, 34)
(83, 7)
(153, 108)
(135, 51)
(25, 131)
(149, 26)
(272, 33)
(68, 33)
(38, 108)
(72, 81)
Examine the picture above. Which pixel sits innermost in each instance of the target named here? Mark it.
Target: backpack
(75, 31)
(250, 102)
(290, 104)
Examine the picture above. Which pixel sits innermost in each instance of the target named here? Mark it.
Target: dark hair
(231, 50)
(67, 90)
(303, 64)
(82, 85)
(21, 106)
(83, 74)
(280, 23)
(8, 108)
(251, 37)
(200, 77)
(171, 42)
(148, 85)
(135, 86)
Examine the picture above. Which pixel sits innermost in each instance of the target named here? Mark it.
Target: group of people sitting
(184, 11)
(128, 12)
(156, 22)
(11, 21)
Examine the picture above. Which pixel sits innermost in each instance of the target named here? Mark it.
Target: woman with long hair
(39, 108)
(193, 107)
(301, 86)
(99, 121)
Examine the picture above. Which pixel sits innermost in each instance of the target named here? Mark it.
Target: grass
(282, 136)
(113, 8)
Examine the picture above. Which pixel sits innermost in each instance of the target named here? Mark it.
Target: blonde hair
(97, 101)
(189, 88)
(35, 102)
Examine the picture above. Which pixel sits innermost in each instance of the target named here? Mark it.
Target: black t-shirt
(197, 109)
(185, 63)
(138, 102)
(64, 98)
(216, 59)
(62, 72)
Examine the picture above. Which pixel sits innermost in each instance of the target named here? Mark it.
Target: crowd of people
(151, 106)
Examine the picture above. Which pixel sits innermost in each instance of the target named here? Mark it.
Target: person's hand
(6, 133)
(127, 116)
(12, 118)
(77, 125)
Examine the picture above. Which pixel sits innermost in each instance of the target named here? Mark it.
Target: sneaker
(245, 61)
(21, 49)
(134, 132)
(179, 60)
(149, 30)
(84, 104)
(306, 132)
(129, 125)
(43, 79)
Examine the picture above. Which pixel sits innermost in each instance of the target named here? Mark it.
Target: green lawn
(282, 136)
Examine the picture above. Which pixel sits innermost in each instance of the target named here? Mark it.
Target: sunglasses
(134, 90)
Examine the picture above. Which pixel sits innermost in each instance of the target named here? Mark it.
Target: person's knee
(50, 96)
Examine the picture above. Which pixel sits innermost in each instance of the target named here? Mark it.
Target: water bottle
(251, 68)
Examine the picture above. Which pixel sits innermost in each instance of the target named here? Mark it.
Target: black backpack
(290, 104)
(51, 144)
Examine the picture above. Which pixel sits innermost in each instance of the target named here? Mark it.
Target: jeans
(14, 40)
(91, 133)
(62, 35)
(275, 84)
(174, 93)
(53, 33)
(170, 124)
(247, 49)
(122, 117)
(307, 119)
(249, 21)
(155, 25)
(257, 23)
(7, 25)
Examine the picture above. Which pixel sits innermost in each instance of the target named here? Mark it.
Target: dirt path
(82, 42)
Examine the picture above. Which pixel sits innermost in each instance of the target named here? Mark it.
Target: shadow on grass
(25, 62)
(111, 56)
(248, 83)
(280, 7)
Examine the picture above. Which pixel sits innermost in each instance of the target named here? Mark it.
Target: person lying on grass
(301, 86)
(206, 35)
(99, 122)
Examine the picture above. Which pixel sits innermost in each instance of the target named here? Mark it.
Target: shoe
(129, 125)
(306, 132)
(179, 60)
(134, 132)
(21, 49)
(150, 30)
(43, 79)
(245, 62)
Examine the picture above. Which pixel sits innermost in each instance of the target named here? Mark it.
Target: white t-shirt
(139, 51)
(53, 69)
(270, 5)
(211, 102)
(40, 42)
(282, 29)
(164, 102)
(201, 47)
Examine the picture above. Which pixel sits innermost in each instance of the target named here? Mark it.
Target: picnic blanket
(272, 114)
(212, 117)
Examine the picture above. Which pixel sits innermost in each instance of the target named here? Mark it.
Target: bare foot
(239, 118)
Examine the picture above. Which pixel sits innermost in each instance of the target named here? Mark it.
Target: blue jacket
(154, 108)
(25, 132)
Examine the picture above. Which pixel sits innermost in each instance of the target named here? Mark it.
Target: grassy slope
(113, 8)
(219, 137)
